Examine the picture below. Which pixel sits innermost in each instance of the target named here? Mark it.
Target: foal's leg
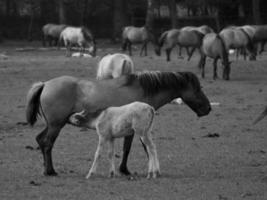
(156, 170)
(111, 157)
(99, 149)
(126, 150)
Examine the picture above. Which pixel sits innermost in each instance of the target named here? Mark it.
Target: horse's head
(193, 95)
(89, 40)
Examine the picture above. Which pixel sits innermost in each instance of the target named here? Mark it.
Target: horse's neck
(163, 97)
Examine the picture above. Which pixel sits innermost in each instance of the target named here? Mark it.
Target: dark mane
(154, 81)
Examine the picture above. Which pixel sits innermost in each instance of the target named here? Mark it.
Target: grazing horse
(51, 32)
(116, 122)
(135, 35)
(204, 29)
(213, 46)
(57, 99)
(262, 115)
(114, 66)
(260, 35)
(238, 38)
(175, 37)
(80, 36)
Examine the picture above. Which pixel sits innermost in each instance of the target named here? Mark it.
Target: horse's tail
(262, 115)
(224, 50)
(162, 38)
(33, 102)
(250, 42)
(127, 67)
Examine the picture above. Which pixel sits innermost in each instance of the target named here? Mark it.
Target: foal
(116, 122)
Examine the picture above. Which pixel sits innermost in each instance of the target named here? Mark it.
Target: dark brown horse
(51, 33)
(57, 99)
(184, 38)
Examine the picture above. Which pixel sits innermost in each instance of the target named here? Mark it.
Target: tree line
(24, 18)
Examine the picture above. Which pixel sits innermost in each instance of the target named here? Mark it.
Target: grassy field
(229, 167)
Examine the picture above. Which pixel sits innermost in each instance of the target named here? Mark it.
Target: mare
(204, 29)
(174, 37)
(57, 99)
(80, 36)
(116, 122)
(213, 46)
(114, 66)
(51, 32)
(238, 38)
(136, 35)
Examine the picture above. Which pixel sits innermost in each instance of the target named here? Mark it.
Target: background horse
(260, 36)
(136, 35)
(204, 29)
(116, 122)
(175, 37)
(237, 38)
(80, 36)
(51, 32)
(57, 99)
(213, 46)
(114, 66)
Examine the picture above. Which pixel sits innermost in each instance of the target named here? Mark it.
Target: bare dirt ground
(229, 167)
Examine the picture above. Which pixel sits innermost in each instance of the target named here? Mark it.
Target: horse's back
(53, 29)
(260, 32)
(190, 38)
(212, 45)
(234, 37)
(135, 34)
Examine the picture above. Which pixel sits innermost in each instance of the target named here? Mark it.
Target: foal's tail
(33, 102)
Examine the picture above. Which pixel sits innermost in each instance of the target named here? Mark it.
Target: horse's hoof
(90, 175)
(125, 171)
(112, 174)
(149, 175)
(156, 174)
(50, 173)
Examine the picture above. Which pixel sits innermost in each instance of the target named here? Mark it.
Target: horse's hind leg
(215, 76)
(46, 140)
(126, 150)
(168, 52)
(111, 157)
(190, 53)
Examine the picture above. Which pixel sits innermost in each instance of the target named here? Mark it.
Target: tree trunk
(7, 8)
(173, 13)
(256, 11)
(61, 12)
(119, 18)
(150, 15)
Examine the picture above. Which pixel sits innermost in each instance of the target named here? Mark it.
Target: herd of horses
(122, 102)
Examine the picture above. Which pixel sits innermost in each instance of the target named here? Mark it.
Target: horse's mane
(154, 81)
(87, 34)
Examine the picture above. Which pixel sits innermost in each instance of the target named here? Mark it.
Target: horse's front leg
(130, 48)
(202, 65)
(111, 158)
(126, 150)
(168, 52)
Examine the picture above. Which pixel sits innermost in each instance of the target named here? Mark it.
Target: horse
(116, 122)
(51, 32)
(260, 35)
(261, 116)
(238, 38)
(204, 29)
(174, 37)
(60, 97)
(114, 66)
(80, 36)
(213, 46)
(135, 35)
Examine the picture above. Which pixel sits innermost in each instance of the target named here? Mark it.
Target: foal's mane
(154, 81)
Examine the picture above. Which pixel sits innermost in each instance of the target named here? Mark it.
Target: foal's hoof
(153, 175)
(111, 174)
(50, 173)
(90, 175)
